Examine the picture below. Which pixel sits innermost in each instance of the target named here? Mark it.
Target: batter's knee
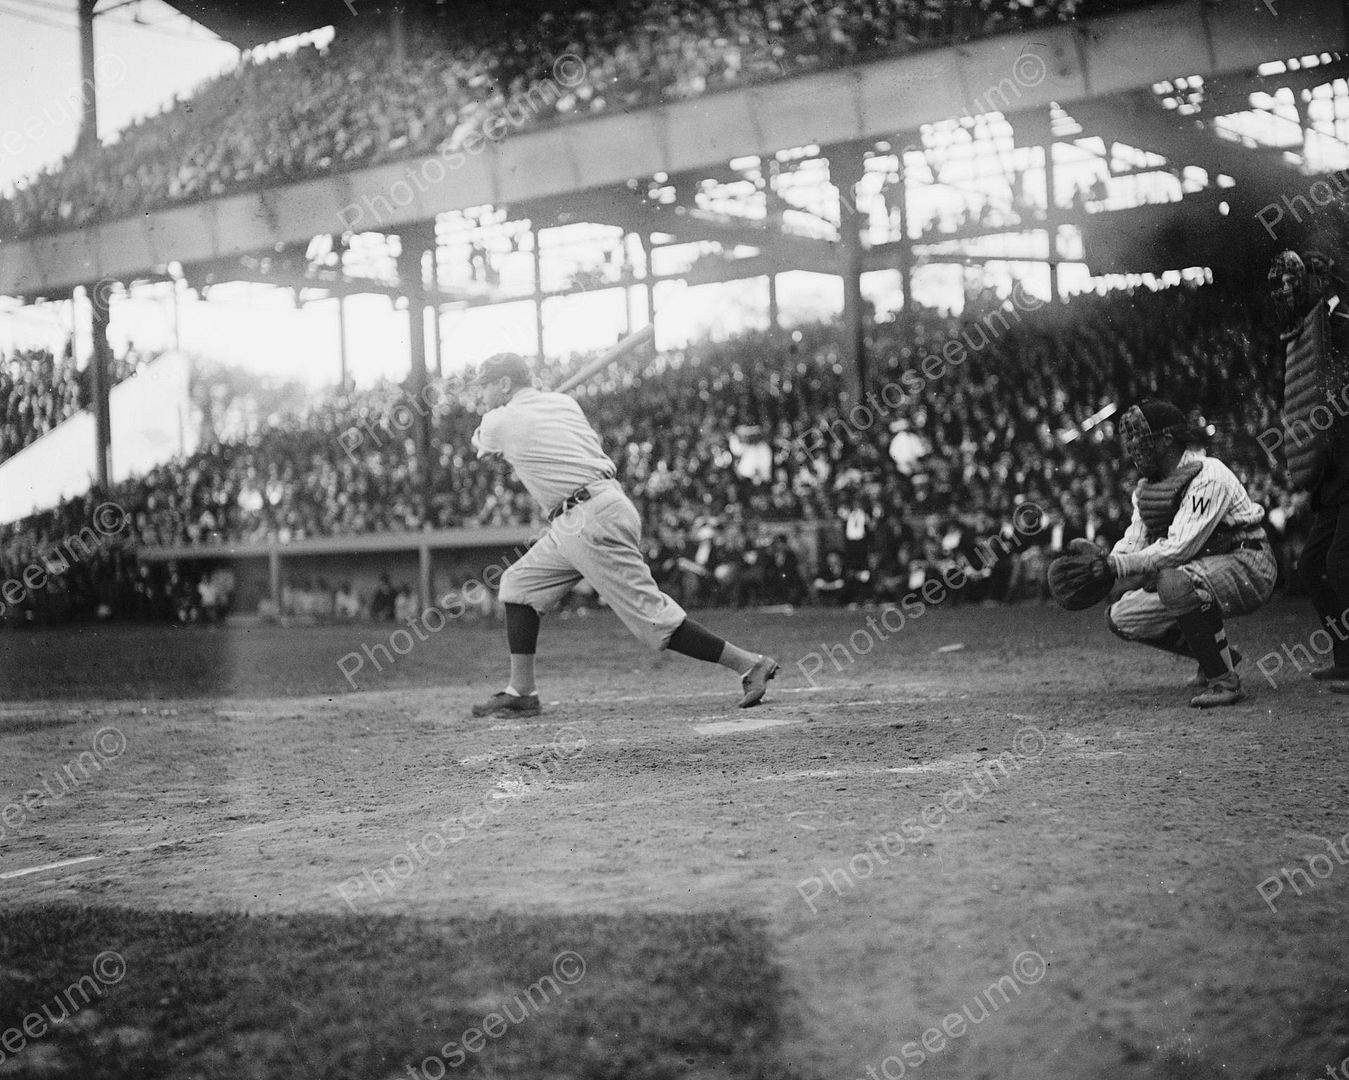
(1176, 590)
(653, 633)
(511, 591)
(654, 629)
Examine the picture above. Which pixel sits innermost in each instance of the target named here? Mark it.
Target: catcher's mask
(1143, 428)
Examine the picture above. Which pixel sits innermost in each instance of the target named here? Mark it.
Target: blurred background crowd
(354, 102)
(757, 481)
(39, 390)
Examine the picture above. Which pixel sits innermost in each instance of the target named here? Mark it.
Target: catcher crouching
(1195, 553)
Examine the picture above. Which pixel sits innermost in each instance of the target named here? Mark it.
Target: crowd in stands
(57, 566)
(39, 390)
(758, 480)
(271, 121)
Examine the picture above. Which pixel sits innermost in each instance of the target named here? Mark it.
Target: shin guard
(1207, 637)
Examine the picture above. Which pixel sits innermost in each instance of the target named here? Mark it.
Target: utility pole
(88, 138)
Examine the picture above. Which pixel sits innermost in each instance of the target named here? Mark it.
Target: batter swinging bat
(631, 343)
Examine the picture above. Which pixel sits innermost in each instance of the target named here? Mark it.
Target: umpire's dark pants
(1324, 571)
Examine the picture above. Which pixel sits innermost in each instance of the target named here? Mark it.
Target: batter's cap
(506, 365)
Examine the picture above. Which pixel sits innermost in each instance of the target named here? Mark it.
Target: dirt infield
(1020, 857)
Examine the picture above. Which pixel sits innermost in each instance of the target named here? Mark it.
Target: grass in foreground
(158, 994)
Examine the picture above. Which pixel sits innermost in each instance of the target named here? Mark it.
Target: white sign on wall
(151, 424)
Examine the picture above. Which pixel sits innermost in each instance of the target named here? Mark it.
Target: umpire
(1312, 303)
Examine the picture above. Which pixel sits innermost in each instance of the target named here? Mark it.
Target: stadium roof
(246, 23)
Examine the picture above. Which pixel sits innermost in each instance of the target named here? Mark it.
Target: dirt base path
(1023, 857)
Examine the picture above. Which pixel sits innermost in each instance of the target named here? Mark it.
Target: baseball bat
(631, 343)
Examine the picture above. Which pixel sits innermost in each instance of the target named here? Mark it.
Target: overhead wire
(169, 27)
(47, 5)
(39, 20)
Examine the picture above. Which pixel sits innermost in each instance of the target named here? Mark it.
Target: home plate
(750, 723)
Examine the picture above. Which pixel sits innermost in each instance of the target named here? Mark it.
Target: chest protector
(1307, 419)
(1159, 500)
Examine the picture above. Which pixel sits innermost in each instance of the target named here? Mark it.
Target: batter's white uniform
(1239, 582)
(547, 440)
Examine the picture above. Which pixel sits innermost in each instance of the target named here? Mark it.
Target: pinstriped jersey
(1214, 498)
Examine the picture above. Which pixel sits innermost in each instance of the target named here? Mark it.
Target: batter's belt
(576, 498)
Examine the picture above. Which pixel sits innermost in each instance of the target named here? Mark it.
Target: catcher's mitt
(1081, 579)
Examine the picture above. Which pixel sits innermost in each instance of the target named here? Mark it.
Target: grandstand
(905, 260)
(470, 181)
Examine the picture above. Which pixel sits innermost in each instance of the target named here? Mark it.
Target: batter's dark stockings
(693, 639)
(522, 633)
(522, 629)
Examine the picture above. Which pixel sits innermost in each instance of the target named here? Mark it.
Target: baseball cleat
(504, 704)
(1333, 673)
(1199, 680)
(755, 681)
(1224, 690)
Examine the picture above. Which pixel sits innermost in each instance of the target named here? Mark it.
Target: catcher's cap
(1162, 416)
(506, 365)
(1151, 418)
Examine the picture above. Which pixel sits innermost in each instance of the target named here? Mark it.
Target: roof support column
(898, 197)
(1042, 122)
(416, 244)
(774, 205)
(650, 269)
(343, 366)
(100, 380)
(88, 137)
(398, 33)
(538, 290)
(845, 172)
